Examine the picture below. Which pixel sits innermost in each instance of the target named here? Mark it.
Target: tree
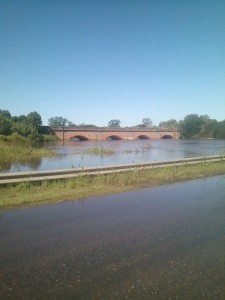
(193, 126)
(114, 123)
(28, 126)
(59, 122)
(146, 122)
(69, 123)
(21, 118)
(6, 125)
(34, 119)
(170, 124)
(219, 130)
(208, 127)
(5, 114)
(23, 128)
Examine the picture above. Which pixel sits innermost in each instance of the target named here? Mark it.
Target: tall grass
(16, 148)
(49, 137)
(98, 151)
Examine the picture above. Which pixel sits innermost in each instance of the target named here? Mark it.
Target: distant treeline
(192, 126)
(197, 127)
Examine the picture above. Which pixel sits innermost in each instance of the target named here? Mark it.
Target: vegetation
(29, 126)
(146, 122)
(62, 122)
(170, 124)
(114, 123)
(17, 133)
(83, 125)
(192, 126)
(98, 151)
(59, 122)
(197, 127)
(16, 148)
(28, 194)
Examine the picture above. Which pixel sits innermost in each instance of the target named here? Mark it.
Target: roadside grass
(83, 186)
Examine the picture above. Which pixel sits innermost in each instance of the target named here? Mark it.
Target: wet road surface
(161, 243)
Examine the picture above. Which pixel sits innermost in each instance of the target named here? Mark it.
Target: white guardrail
(9, 178)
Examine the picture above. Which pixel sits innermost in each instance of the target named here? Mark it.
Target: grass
(98, 151)
(49, 137)
(30, 194)
(143, 149)
(16, 148)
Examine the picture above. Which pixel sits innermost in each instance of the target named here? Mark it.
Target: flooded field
(161, 243)
(75, 154)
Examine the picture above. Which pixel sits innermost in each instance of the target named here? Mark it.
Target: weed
(98, 151)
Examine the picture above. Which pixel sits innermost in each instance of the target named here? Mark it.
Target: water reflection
(32, 164)
(162, 243)
(74, 154)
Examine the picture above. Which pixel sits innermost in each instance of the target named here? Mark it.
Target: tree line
(196, 126)
(193, 126)
(29, 126)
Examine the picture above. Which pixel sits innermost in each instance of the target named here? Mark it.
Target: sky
(98, 60)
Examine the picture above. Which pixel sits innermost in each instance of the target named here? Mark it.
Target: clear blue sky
(93, 61)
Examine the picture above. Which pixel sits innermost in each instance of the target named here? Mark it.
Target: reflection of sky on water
(70, 154)
(168, 239)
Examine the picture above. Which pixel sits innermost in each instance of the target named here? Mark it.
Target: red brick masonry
(66, 133)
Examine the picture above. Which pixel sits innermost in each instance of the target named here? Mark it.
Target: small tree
(57, 122)
(114, 123)
(34, 119)
(146, 122)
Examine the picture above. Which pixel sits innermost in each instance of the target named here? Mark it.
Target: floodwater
(74, 154)
(161, 243)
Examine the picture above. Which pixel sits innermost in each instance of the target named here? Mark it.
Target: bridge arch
(113, 137)
(166, 137)
(79, 138)
(143, 137)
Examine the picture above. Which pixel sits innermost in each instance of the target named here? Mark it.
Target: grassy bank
(16, 148)
(30, 194)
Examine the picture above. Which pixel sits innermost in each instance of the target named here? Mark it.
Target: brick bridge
(85, 134)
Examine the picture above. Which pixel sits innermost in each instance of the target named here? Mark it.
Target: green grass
(30, 194)
(16, 148)
(98, 151)
(49, 137)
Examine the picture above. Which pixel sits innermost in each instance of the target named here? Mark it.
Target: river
(75, 154)
(159, 243)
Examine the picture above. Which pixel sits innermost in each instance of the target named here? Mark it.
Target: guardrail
(10, 178)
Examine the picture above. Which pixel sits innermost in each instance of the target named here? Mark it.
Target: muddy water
(161, 243)
(74, 154)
